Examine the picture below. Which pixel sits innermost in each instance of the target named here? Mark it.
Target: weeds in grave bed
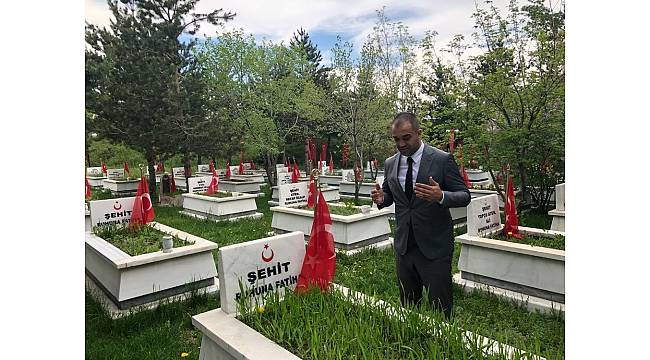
(373, 272)
(334, 325)
(142, 241)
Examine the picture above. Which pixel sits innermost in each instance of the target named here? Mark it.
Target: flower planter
(331, 180)
(96, 181)
(121, 187)
(239, 185)
(350, 232)
(479, 177)
(368, 175)
(249, 176)
(331, 194)
(234, 207)
(532, 270)
(134, 280)
(346, 189)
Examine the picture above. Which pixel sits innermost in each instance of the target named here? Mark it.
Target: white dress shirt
(404, 166)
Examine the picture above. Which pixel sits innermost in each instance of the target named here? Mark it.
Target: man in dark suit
(424, 183)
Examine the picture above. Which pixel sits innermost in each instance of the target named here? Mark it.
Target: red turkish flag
(211, 165)
(463, 173)
(142, 207)
(319, 264)
(228, 173)
(126, 168)
(331, 164)
(323, 152)
(252, 164)
(312, 192)
(87, 189)
(512, 221)
(172, 184)
(241, 167)
(294, 173)
(104, 170)
(160, 167)
(214, 184)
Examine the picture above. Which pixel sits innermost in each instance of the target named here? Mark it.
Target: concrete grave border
(350, 232)
(527, 269)
(134, 280)
(238, 206)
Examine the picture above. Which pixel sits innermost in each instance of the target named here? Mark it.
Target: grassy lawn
(163, 333)
(166, 332)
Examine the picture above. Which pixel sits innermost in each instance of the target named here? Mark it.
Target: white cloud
(277, 20)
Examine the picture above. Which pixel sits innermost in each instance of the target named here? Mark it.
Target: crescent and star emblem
(117, 206)
(264, 258)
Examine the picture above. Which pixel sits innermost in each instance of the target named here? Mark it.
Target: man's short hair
(408, 117)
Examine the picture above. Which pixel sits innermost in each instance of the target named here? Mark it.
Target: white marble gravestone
(94, 171)
(199, 184)
(260, 267)
(483, 215)
(292, 194)
(558, 213)
(559, 197)
(111, 211)
(347, 175)
(115, 173)
(203, 168)
(178, 172)
(284, 178)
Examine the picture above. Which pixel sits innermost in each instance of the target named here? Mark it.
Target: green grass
(143, 241)
(329, 325)
(338, 210)
(555, 242)
(373, 272)
(100, 194)
(166, 332)
(162, 333)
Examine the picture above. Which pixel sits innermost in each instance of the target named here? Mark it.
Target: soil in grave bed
(218, 194)
(555, 242)
(143, 241)
(337, 210)
(329, 325)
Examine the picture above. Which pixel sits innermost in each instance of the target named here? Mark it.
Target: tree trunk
(188, 169)
(151, 163)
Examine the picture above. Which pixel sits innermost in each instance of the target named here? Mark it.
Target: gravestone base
(115, 312)
(230, 217)
(527, 290)
(558, 220)
(532, 303)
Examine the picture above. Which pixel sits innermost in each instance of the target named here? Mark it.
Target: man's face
(407, 141)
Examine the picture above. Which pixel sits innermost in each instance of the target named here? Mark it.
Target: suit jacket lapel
(393, 176)
(425, 168)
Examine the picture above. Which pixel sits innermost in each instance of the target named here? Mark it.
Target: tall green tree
(139, 75)
(301, 43)
(518, 84)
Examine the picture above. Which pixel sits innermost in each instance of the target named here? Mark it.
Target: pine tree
(315, 70)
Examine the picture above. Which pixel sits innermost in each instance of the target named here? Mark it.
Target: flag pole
(316, 174)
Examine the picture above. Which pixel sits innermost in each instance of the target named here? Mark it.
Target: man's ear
(419, 132)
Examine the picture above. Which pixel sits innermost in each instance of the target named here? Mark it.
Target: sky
(353, 20)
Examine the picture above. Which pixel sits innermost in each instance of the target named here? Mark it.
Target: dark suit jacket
(432, 225)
